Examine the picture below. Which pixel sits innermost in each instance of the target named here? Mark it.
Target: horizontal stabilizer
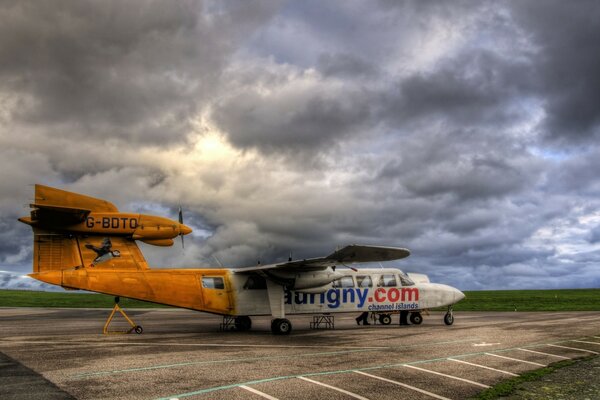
(52, 197)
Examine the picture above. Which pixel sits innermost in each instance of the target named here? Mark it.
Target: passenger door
(216, 293)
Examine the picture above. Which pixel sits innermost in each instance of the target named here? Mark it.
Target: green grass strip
(486, 300)
(29, 298)
(509, 386)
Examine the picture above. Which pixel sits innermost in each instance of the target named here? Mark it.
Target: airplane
(85, 243)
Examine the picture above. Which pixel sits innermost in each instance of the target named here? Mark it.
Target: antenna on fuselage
(217, 260)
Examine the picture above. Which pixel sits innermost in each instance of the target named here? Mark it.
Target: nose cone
(458, 295)
(184, 229)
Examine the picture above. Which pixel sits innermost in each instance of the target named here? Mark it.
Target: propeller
(181, 222)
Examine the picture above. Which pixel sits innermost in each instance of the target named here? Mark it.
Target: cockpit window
(213, 282)
(343, 282)
(364, 281)
(405, 280)
(387, 281)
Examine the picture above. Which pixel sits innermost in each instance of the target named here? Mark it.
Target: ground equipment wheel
(385, 319)
(281, 326)
(416, 318)
(138, 329)
(449, 319)
(243, 323)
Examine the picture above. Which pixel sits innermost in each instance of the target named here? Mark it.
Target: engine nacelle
(159, 242)
(316, 290)
(309, 280)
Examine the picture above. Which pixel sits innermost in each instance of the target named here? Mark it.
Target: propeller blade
(181, 222)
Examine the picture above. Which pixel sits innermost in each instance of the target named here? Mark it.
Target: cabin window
(213, 282)
(387, 281)
(405, 280)
(255, 282)
(343, 282)
(364, 281)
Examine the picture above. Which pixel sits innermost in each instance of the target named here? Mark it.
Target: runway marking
(516, 359)
(545, 354)
(446, 375)
(482, 366)
(185, 364)
(573, 348)
(258, 392)
(277, 378)
(416, 389)
(356, 396)
(582, 341)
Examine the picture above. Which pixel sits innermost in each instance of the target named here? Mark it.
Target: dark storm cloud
(467, 164)
(566, 63)
(134, 70)
(472, 87)
(298, 119)
(418, 124)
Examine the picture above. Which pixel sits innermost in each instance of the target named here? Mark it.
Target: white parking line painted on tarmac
(356, 396)
(516, 359)
(258, 392)
(574, 348)
(544, 354)
(583, 341)
(482, 366)
(448, 376)
(425, 392)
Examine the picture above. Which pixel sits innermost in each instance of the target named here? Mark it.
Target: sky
(466, 131)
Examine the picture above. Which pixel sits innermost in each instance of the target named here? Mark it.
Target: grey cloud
(566, 37)
(346, 65)
(467, 164)
(134, 70)
(473, 87)
(293, 119)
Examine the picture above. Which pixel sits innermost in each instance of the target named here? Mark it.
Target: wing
(347, 255)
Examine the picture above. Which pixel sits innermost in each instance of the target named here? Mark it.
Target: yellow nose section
(184, 229)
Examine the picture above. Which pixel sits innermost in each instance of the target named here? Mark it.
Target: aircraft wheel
(243, 323)
(281, 326)
(385, 319)
(138, 329)
(416, 318)
(448, 319)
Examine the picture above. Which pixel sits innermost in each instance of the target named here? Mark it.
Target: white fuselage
(378, 290)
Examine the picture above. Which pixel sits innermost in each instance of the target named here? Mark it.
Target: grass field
(497, 300)
(28, 298)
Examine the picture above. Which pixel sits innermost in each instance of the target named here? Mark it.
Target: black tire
(448, 319)
(138, 329)
(416, 318)
(281, 326)
(243, 323)
(385, 319)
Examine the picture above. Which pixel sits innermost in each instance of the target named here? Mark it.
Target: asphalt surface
(182, 354)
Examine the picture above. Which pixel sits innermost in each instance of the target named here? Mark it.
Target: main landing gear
(416, 318)
(243, 323)
(281, 326)
(449, 317)
(134, 328)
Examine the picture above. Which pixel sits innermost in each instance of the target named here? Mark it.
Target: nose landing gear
(449, 317)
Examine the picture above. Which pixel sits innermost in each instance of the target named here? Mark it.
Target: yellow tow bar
(134, 328)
